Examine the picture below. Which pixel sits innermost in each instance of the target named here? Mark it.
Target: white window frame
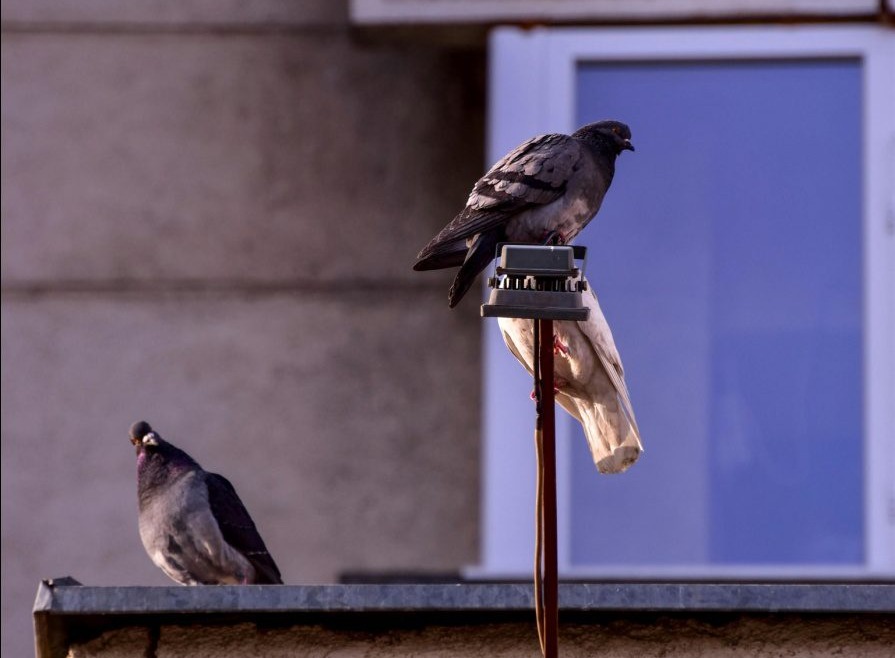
(532, 80)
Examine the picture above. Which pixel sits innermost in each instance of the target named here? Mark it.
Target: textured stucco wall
(209, 214)
(649, 637)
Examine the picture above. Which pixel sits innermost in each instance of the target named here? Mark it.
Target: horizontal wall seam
(217, 288)
(149, 28)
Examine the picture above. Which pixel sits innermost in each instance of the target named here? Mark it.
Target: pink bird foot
(558, 383)
(559, 347)
(553, 238)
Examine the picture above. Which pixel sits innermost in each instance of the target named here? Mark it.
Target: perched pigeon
(589, 382)
(193, 525)
(543, 191)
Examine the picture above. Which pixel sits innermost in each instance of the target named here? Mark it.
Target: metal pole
(547, 426)
(537, 283)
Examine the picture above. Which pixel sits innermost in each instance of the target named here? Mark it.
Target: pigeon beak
(150, 439)
(627, 145)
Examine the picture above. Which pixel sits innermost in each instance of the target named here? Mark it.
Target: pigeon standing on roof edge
(192, 523)
(542, 192)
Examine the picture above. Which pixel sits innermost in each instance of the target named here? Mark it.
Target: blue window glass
(727, 258)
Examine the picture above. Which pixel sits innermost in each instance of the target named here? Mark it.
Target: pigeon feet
(553, 238)
(559, 347)
(558, 383)
(534, 393)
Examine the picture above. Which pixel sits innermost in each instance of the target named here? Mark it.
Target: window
(744, 260)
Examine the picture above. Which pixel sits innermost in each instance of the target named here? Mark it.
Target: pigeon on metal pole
(542, 192)
(193, 525)
(589, 381)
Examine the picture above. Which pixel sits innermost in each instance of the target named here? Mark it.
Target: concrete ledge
(66, 597)
(67, 613)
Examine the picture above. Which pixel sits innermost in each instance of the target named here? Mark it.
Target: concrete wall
(726, 636)
(209, 215)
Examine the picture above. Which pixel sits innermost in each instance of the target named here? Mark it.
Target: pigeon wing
(509, 340)
(535, 173)
(238, 529)
(597, 331)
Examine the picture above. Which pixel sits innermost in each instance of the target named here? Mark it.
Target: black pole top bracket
(537, 282)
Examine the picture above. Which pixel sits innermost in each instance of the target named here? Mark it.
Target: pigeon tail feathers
(442, 257)
(613, 441)
(239, 530)
(481, 252)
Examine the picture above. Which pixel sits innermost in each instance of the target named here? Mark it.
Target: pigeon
(542, 192)
(193, 525)
(589, 381)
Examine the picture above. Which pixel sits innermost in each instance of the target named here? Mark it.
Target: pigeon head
(142, 436)
(609, 137)
(157, 460)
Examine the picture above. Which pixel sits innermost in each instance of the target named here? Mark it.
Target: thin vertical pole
(547, 430)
